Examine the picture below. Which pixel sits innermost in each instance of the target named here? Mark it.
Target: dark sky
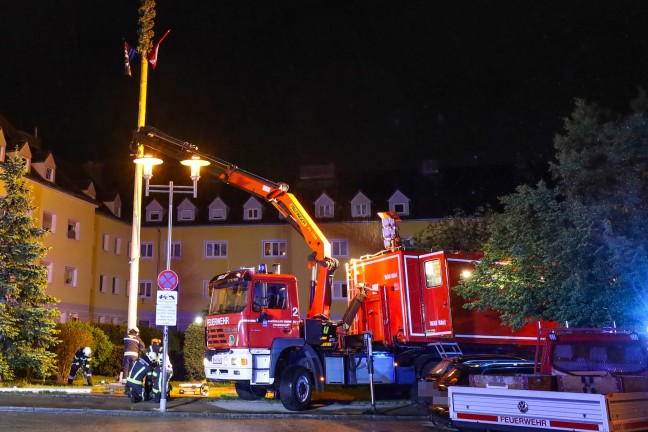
(270, 85)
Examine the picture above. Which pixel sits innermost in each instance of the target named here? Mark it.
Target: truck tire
(249, 392)
(295, 388)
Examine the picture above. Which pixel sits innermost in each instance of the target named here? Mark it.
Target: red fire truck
(402, 318)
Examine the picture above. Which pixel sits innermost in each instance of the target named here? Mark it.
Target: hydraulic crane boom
(320, 261)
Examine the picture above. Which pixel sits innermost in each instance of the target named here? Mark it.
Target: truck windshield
(230, 298)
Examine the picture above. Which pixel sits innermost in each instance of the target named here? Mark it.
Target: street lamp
(147, 163)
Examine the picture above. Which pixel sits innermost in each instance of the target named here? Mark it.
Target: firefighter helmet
(156, 341)
(152, 356)
(87, 351)
(134, 331)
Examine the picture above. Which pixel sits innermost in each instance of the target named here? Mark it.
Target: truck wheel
(248, 392)
(295, 388)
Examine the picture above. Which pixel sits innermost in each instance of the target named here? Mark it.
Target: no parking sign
(168, 280)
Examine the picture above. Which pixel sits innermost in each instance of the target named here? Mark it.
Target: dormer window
(360, 206)
(218, 210)
(186, 211)
(252, 209)
(49, 174)
(154, 212)
(324, 207)
(399, 203)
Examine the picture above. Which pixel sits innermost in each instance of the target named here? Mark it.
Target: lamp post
(147, 163)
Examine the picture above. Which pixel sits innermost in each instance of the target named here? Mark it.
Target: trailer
(587, 380)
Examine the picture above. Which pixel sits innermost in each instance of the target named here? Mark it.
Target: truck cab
(248, 311)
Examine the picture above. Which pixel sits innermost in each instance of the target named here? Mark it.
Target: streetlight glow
(147, 162)
(195, 163)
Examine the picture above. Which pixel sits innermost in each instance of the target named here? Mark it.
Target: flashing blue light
(262, 268)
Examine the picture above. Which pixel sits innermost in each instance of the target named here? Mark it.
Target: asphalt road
(84, 422)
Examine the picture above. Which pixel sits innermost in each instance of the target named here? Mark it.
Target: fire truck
(402, 316)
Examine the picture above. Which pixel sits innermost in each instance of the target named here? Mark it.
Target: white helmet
(134, 330)
(87, 351)
(152, 356)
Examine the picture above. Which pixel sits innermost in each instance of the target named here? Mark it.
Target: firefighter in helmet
(139, 379)
(158, 386)
(155, 347)
(81, 361)
(132, 347)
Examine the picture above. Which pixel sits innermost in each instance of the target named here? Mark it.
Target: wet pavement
(86, 401)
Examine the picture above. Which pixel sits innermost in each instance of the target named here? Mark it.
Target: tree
(575, 251)
(27, 325)
(457, 232)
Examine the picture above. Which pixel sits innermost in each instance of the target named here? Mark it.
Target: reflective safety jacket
(141, 369)
(133, 345)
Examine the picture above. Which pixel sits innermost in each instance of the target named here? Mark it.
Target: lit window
(274, 248)
(433, 273)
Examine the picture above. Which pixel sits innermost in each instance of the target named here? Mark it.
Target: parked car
(457, 371)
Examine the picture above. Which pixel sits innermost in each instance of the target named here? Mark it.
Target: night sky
(270, 85)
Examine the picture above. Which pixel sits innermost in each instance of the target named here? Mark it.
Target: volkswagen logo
(523, 407)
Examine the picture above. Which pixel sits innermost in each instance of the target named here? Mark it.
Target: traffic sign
(168, 280)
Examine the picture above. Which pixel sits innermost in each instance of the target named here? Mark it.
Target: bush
(73, 335)
(194, 351)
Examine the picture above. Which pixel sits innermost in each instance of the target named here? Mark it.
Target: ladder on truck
(446, 349)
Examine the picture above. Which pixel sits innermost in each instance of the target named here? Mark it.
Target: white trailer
(503, 409)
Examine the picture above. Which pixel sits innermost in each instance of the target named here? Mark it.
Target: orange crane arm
(320, 261)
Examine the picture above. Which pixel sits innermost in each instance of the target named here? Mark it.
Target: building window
(274, 248)
(49, 174)
(105, 243)
(324, 211)
(206, 294)
(340, 248)
(399, 208)
(73, 228)
(103, 283)
(186, 215)
(145, 289)
(340, 290)
(70, 276)
(215, 249)
(176, 249)
(360, 210)
(154, 216)
(252, 214)
(407, 241)
(118, 245)
(49, 221)
(49, 267)
(115, 285)
(217, 214)
(146, 251)
(117, 210)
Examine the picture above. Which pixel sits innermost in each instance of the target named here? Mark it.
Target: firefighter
(157, 377)
(81, 361)
(132, 346)
(155, 347)
(139, 379)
